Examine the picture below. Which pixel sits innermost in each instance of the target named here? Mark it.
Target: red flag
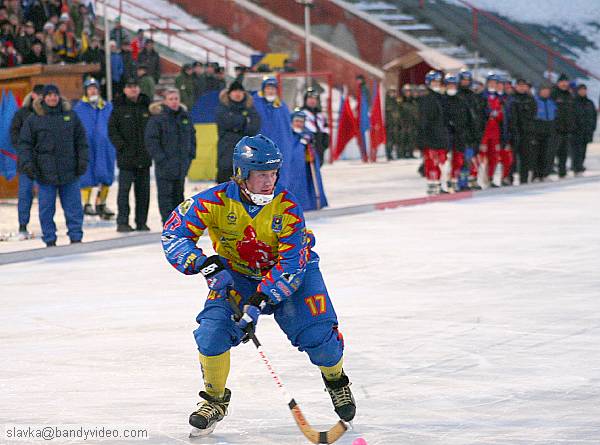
(347, 128)
(377, 127)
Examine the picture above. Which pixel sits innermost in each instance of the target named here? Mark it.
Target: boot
(209, 412)
(341, 397)
(89, 210)
(473, 184)
(104, 212)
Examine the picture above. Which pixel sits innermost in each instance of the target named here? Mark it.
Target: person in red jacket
(489, 149)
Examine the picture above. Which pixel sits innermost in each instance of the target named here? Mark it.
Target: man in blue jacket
(94, 114)
(54, 152)
(170, 138)
(544, 140)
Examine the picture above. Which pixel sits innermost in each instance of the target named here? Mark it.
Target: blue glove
(256, 303)
(217, 277)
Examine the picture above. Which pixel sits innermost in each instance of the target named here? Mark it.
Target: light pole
(308, 54)
(108, 75)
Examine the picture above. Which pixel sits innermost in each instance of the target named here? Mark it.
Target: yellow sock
(215, 370)
(102, 194)
(86, 194)
(333, 372)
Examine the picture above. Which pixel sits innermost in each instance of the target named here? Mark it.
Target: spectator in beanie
(149, 57)
(53, 151)
(145, 81)
(585, 125)
(25, 183)
(184, 82)
(236, 117)
(171, 140)
(35, 55)
(126, 130)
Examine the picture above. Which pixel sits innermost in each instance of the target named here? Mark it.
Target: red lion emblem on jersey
(256, 253)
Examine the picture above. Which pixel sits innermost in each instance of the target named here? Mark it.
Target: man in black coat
(585, 125)
(149, 57)
(129, 63)
(521, 122)
(25, 183)
(171, 140)
(459, 124)
(236, 117)
(476, 108)
(53, 151)
(432, 136)
(126, 131)
(565, 122)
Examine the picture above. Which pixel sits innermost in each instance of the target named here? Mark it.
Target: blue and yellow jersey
(269, 243)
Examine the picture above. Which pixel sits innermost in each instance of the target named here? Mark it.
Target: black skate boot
(209, 413)
(341, 396)
(104, 212)
(89, 210)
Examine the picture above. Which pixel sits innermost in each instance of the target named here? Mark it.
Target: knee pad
(322, 342)
(214, 337)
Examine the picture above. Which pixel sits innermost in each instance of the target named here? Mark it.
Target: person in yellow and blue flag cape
(94, 114)
(265, 259)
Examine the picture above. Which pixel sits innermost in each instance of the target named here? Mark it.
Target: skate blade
(197, 432)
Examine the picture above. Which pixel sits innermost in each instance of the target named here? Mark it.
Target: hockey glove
(256, 303)
(217, 277)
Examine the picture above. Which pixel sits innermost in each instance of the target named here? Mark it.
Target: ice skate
(89, 210)
(104, 212)
(341, 397)
(204, 420)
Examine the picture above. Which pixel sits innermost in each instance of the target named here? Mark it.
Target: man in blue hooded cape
(275, 123)
(304, 178)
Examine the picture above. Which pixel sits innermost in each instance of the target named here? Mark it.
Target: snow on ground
(467, 322)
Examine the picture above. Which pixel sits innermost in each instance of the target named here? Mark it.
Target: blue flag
(8, 153)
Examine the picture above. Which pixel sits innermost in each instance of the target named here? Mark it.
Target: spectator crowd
(495, 134)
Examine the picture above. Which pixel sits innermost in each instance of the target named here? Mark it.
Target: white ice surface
(474, 322)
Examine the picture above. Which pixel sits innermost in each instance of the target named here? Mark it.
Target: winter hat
(64, 17)
(38, 89)
(562, 77)
(581, 86)
(235, 86)
(50, 88)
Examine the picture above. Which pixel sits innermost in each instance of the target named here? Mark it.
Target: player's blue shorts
(307, 318)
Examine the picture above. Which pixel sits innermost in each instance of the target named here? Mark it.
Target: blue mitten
(217, 276)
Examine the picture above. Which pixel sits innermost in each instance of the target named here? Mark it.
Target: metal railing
(174, 29)
(551, 53)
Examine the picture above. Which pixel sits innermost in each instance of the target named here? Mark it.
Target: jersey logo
(185, 206)
(277, 224)
(231, 218)
(256, 253)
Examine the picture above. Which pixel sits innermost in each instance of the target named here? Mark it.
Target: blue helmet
(493, 76)
(255, 153)
(450, 78)
(90, 82)
(269, 81)
(299, 114)
(465, 74)
(431, 76)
